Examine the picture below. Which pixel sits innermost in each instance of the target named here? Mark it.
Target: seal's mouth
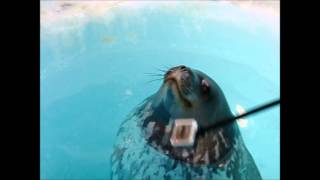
(179, 79)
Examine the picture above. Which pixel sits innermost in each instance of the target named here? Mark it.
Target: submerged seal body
(143, 149)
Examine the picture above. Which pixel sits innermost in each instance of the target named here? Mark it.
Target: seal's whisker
(166, 67)
(153, 74)
(158, 75)
(170, 66)
(161, 70)
(154, 80)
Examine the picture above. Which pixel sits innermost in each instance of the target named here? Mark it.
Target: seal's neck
(213, 147)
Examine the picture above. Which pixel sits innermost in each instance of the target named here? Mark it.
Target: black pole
(260, 108)
(230, 120)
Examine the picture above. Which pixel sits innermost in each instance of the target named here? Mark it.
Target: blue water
(93, 74)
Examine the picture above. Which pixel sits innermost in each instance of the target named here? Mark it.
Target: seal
(143, 149)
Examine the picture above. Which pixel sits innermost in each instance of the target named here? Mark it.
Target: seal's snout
(178, 83)
(182, 75)
(175, 70)
(178, 73)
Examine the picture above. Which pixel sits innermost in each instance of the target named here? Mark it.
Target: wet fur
(143, 150)
(134, 158)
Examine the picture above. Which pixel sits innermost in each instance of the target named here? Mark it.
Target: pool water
(94, 60)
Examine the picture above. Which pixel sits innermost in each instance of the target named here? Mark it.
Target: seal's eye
(205, 86)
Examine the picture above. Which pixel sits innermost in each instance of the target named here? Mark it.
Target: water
(94, 56)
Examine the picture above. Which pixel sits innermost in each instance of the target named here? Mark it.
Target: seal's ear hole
(205, 86)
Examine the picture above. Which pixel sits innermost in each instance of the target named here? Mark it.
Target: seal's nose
(181, 74)
(181, 68)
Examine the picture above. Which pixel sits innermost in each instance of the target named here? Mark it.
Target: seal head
(189, 93)
(143, 149)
